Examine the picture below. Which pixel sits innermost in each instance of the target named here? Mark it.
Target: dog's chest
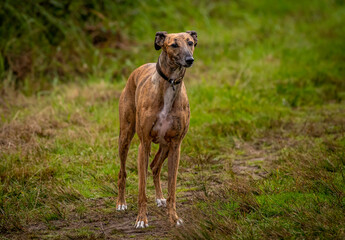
(169, 122)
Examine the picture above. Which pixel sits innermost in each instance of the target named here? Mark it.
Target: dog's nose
(189, 60)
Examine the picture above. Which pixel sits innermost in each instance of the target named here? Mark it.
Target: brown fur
(142, 110)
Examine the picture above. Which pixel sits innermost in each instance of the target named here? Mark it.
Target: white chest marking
(169, 98)
(164, 122)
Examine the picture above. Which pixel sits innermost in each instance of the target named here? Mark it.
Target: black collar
(171, 81)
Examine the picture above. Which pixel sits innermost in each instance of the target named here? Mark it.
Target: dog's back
(127, 106)
(137, 78)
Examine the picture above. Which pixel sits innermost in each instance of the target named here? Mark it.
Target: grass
(264, 156)
(302, 197)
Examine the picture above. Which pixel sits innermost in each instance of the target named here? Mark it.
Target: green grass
(265, 152)
(303, 198)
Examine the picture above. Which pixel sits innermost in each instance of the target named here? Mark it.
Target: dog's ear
(159, 39)
(194, 36)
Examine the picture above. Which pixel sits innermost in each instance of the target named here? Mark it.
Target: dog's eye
(190, 43)
(174, 45)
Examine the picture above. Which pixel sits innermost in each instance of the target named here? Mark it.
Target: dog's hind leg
(127, 131)
(156, 166)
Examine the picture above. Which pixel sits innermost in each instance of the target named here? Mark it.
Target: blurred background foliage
(47, 42)
(44, 42)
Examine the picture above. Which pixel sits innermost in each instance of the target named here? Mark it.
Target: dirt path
(98, 224)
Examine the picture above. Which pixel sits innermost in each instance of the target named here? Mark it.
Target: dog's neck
(172, 72)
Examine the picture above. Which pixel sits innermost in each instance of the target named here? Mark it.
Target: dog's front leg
(143, 159)
(173, 163)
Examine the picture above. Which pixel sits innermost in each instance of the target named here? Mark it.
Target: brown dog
(154, 104)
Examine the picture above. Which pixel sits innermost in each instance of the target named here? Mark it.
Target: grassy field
(265, 154)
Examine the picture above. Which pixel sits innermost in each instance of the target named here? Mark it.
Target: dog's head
(179, 47)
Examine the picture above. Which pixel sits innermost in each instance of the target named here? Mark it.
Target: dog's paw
(179, 222)
(161, 202)
(141, 224)
(121, 207)
(141, 221)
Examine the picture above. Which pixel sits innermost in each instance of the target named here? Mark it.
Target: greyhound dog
(154, 104)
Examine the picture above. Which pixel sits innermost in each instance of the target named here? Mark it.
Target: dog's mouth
(188, 65)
